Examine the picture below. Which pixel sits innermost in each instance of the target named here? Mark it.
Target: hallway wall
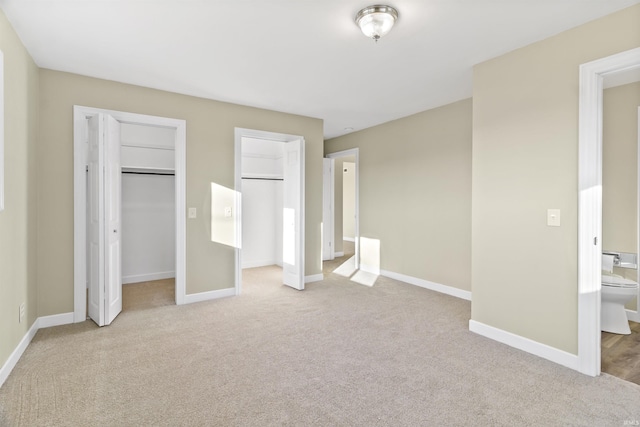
(18, 220)
(415, 192)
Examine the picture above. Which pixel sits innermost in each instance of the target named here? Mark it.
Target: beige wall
(210, 158)
(415, 192)
(18, 219)
(525, 161)
(620, 173)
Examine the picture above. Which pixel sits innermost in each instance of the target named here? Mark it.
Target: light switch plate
(553, 217)
(227, 211)
(192, 213)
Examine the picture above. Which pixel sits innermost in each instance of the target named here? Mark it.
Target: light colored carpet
(336, 354)
(147, 295)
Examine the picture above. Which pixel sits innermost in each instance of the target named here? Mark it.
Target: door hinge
(595, 241)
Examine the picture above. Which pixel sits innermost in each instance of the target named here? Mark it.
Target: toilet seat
(618, 282)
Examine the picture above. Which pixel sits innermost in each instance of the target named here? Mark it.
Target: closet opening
(129, 229)
(270, 178)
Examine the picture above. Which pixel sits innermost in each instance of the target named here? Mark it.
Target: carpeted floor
(336, 354)
(147, 295)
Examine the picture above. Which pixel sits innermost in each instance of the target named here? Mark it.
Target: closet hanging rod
(149, 173)
(264, 179)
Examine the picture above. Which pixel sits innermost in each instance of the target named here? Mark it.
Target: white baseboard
(313, 278)
(55, 320)
(338, 254)
(634, 316)
(525, 344)
(349, 239)
(254, 264)
(210, 295)
(12, 361)
(40, 323)
(137, 278)
(444, 289)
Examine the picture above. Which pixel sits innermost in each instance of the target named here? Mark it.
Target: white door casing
(328, 182)
(292, 272)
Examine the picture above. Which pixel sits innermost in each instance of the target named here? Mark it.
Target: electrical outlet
(22, 312)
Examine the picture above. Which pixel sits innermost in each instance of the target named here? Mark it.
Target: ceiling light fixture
(376, 21)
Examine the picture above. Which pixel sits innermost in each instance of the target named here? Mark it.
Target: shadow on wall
(369, 269)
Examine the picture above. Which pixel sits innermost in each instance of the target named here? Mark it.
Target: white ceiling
(304, 57)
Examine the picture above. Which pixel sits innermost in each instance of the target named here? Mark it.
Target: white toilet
(616, 292)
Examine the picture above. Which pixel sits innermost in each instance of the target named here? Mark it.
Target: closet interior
(262, 202)
(148, 206)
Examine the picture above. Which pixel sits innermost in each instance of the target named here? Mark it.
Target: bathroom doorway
(346, 218)
(620, 345)
(590, 248)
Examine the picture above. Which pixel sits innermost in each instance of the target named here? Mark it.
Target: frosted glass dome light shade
(376, 21)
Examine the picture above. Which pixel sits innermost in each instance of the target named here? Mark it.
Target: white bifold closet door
(104, 198)
(293, 202)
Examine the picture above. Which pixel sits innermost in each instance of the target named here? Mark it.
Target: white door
(293, 215)
(328, 250)
(105, 281)
(112, 193)
(95, 199)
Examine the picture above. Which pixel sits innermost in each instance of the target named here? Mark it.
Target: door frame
(590, 202)
(328, 210)
(240, 133)
(356, 153)
(80, 114)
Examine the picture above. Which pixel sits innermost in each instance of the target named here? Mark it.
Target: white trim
(349, 239)
(590, 203)
(444, 289)
(313, 278)
(138, 278)
(15, 356)
(356, 153)
(338, 254)
(634, 316)
(209, 295)
(80, 113)
(525, 344)
(55, 320)
(39, 323)
(240, 133)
